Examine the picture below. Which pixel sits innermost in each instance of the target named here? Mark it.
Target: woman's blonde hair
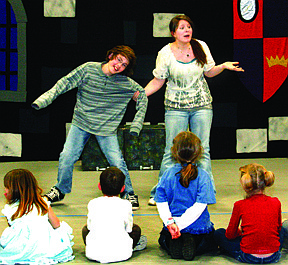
(187, 150)
(255, 178)
(23, 188)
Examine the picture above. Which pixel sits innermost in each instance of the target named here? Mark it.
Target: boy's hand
(174, 230)
(136, 95)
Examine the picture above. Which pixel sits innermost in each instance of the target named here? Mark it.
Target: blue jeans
(285, 233)
(232, 248)
(73, 147)
(177, 121)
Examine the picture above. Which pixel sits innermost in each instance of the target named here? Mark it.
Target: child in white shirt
(110, 234)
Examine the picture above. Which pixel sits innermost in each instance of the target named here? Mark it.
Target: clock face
(248, 9)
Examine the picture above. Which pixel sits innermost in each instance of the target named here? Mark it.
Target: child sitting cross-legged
(34, 234)
(110, 235)
(255, 233)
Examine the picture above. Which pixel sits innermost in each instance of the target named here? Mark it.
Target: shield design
(261, 44)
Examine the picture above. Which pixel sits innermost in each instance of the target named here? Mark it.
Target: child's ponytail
(187, 150)
(188, 172)
(269, 178)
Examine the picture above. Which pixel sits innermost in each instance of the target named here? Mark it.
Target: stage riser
(140, 153)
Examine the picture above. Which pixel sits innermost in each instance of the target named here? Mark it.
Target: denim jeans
(247, 258)
(285, 233)
(231, 247)
(199, 122)
(73, 147)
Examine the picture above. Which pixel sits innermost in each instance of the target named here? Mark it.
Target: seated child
(110, 235)
(35, 235)
(254, 233)
(182, 196)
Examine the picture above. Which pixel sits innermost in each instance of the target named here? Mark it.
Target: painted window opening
(8, 48)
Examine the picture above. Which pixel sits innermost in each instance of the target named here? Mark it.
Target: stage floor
(73, 209)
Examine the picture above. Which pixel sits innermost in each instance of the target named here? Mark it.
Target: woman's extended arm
(154, 85)
(217, 69)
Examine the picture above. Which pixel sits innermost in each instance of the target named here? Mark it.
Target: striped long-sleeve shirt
(101, 100)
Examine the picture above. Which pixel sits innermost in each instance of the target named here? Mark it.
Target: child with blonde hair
(35, 234)
(254, 233)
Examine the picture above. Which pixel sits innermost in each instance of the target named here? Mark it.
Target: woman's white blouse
(186, 86)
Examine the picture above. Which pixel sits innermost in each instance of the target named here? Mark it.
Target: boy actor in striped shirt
(104, 91)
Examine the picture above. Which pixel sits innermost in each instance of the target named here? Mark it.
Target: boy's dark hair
(128, 53)
(112, 180)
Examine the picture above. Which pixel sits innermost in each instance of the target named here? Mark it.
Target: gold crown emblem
(271, 62)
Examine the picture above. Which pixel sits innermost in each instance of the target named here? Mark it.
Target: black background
(55, 46)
